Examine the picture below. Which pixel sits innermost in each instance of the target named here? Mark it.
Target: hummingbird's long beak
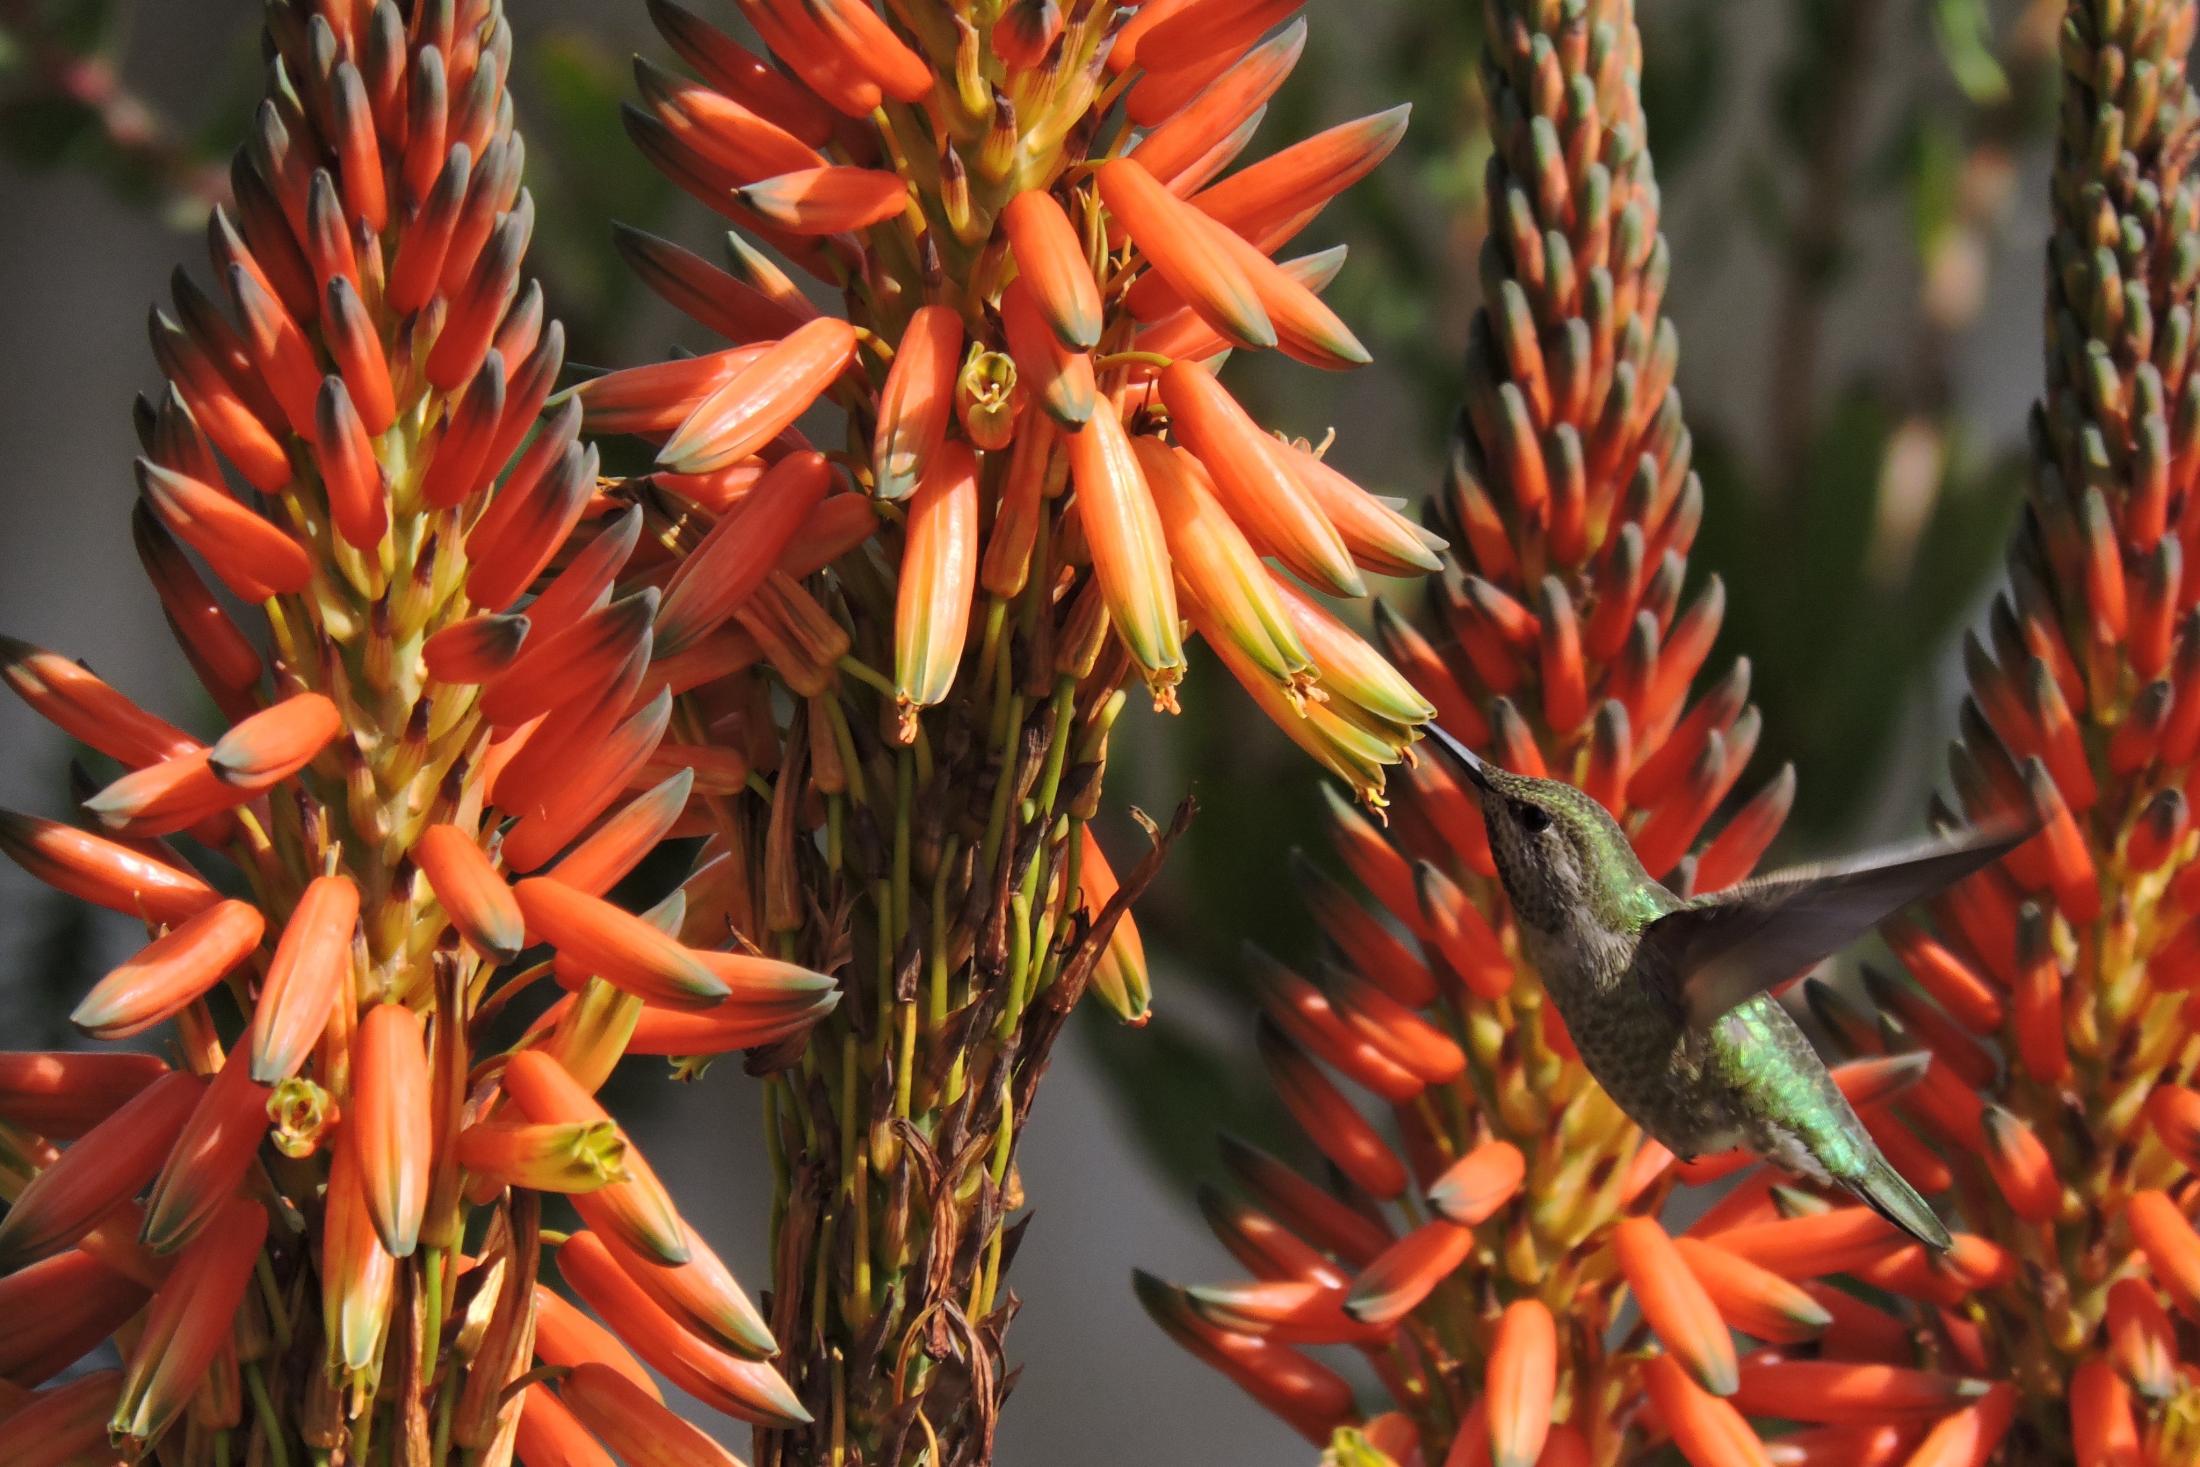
(1469, 762)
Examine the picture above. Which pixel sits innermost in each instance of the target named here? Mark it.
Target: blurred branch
(140, 148)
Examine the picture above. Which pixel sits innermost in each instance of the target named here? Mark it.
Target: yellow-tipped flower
(565, 1156)
(939, 575)
(392, 1123)
(1130, 556)
(189, 1321)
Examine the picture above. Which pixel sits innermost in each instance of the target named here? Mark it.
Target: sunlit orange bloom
(188, 1321)
(615, 847)
(1187, 149)
(1406, 1272)
(358, 1275)
(638, 1209)
(1054, 267)
(731, 307)
(1379, 538)
(549, 1435)
(86, 709)
(563, 1156)
(63, 1425)
(1969, 1437)
(1753, 1299)
(473, 895)
(747, 1389)
(1835, 1391)
(731, 561)
(1270, 201)
(638, 1427)
(59, 1309)
(171, 972)
(2171, 1246)
(722, 1029)
(249, 556)
(1060, 377)
(1130, 556)
(1314, 1399)
(476, 649)
(570, 665)
(762, 399)
(1709, 1431)
(209, 1157)
(99, 1172)
(2142, 1337)
(1677, 1307)
(1471, 1189)
(1294, 1311)
(939, 574)
(62, 1094)
(310, 970)
(1185, 253)
(105, 873)
(1121, 978)
(917, 402)
(1255, 481)
(1219, 566)
(1521, 1378)
(392, 1123)
(566, 1336)
(616, 945)
(702, 1293)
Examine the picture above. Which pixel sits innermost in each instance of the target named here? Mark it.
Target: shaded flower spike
(894, 665)
(381, 549)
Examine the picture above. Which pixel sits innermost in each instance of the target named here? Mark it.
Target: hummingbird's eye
(1534, 819)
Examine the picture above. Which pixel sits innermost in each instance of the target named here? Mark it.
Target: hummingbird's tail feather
(1888, 1193)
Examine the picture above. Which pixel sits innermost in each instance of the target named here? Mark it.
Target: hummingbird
(1668, 999)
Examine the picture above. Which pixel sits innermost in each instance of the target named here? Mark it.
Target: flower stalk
(918, 643)
(311, 1226)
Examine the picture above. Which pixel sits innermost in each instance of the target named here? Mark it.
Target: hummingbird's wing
(1709, 956)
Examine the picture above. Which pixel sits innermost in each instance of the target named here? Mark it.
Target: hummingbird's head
(1563, 858)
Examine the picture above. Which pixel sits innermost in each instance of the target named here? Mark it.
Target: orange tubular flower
(418, 696)
(921, 695)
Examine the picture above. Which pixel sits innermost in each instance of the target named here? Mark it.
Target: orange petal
(1270, 201)
(590, 777)
(2171, 1246)
(249, 555)
(209, 1159)
(618, 845)
(830, 200)
(58, 1310)
(1520, 1383)
(1311, 1397)
(701, 1293)
(1130, 556)
(634, 1424)
(1969, 1437)
(276, 742)
(1406, 1272)
(63, 1425)
(1848, 1391)
(476, 649)
(1473, 1188)
(731, 561)
(358, 1276)
(171, 972)
(1814, 1244)
(1753, 1299)
(1219, 566)
(76, 702)
(61, 1094)
(356, 488)
(188, 1322)
(550, 1435)
(638, 1209)
(391, 1123)
(1184, 253)
(1328, 1118)
(1254, 481)
(1678, 1309)
(1178, 151)
(617, 946)
(573, 664)
(113, 1161)
(918, 400)
(2143, 1338)
(1061, 376)
(310, 972)
(939, 575)
(471, 890)
(742, 1388)
(104, 872)
(873, 48)
(565, 1336)
(1054, 267)
(1708, 1430)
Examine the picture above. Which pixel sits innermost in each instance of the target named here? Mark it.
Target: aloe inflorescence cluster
(312, 1224)
(920, 539)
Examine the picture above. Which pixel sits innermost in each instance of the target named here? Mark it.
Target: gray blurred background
(1855, 200)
